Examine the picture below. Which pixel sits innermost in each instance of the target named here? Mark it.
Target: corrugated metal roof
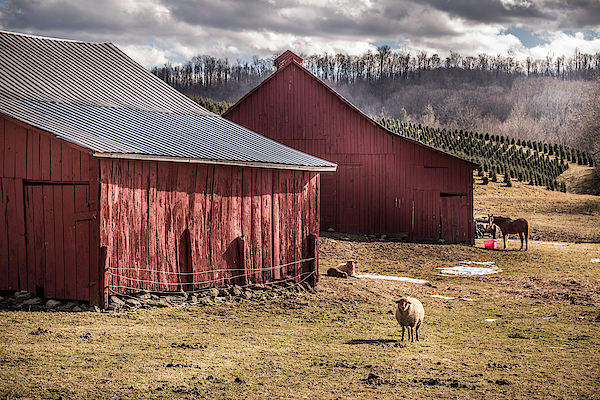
(95, 96)
(97, 74)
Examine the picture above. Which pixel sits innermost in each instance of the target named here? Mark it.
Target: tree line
(372, 66)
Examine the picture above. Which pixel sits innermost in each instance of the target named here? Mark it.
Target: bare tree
(588, 126)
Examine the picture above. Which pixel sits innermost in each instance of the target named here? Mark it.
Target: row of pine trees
(534, 162)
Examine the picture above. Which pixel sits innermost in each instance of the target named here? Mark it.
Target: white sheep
(410, 313)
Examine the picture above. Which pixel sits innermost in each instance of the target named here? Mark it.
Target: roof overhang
(146, 157)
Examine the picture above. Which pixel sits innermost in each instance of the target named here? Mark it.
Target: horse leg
(505, 239)
(521, 237)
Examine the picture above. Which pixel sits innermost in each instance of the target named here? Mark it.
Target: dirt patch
(569, 290)
(548, 271)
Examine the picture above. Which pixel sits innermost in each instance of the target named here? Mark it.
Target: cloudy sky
(156, 31)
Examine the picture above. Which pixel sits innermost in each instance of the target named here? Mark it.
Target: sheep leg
(411, 335)
(402, 333)
(417, 331)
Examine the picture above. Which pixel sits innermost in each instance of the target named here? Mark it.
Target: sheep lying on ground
(333, 271)
(410, 313)
(343, 270)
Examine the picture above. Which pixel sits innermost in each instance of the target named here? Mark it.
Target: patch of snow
(554, 243)
(392, 278)
(595, 260)
(490, 319)
(465, 268)
(439, 296)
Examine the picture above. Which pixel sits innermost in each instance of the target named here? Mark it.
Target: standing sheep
(410, 313)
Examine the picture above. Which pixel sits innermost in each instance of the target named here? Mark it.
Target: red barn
(385, 183)
(112, 182)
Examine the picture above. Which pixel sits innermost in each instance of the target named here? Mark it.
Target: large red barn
(385, 183)
(113, 182)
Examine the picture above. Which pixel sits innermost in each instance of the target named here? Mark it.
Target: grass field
(529, 332)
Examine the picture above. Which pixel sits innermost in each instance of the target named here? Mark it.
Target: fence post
(241, 242)
(313, 245)
(103, 287)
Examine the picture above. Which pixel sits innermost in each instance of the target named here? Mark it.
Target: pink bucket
(489, 244)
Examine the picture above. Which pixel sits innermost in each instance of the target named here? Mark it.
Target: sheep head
(403, 304)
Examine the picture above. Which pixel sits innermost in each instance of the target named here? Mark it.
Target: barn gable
(385, 183)
(113, 182)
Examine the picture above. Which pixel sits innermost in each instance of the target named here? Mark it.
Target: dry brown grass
(526, 333)
(553, 216)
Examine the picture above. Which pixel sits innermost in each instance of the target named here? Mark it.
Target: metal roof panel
(95, 96)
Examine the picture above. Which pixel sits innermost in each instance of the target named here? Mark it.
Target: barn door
(426, 225)
(58, 223)
(450, 214)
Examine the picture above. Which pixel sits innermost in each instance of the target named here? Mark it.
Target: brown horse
(508, 226)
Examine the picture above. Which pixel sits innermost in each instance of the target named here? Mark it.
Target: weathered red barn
(385, 183)
(111, 182)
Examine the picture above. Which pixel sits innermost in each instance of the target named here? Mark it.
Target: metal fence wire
(116, 275)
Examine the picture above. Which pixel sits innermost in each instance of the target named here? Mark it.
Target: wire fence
(116, 275)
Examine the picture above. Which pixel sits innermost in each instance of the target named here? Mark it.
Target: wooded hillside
(527, 99)
(531, 100)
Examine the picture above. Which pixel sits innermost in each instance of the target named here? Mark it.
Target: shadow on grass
(372, 341)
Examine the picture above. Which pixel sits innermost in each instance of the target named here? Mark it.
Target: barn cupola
(285, 57)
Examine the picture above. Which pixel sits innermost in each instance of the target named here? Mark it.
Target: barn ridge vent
(288, 55)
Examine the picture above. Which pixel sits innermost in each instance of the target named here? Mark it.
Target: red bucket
(490, 244)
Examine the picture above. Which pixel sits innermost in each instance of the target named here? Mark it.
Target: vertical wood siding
(173, 227)
(49, 230)
(384, 183)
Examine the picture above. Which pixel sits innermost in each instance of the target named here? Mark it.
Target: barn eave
(188, 160)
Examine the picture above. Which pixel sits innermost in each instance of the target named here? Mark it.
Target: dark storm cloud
(286, 17)
(492, 11)
(75, 19)
(576, 14)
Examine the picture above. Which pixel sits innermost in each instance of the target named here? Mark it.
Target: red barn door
(450, 217)
(58, 230)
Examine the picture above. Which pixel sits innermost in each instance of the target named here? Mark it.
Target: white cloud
(510, 4)
(561, 43)
(147, 56)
